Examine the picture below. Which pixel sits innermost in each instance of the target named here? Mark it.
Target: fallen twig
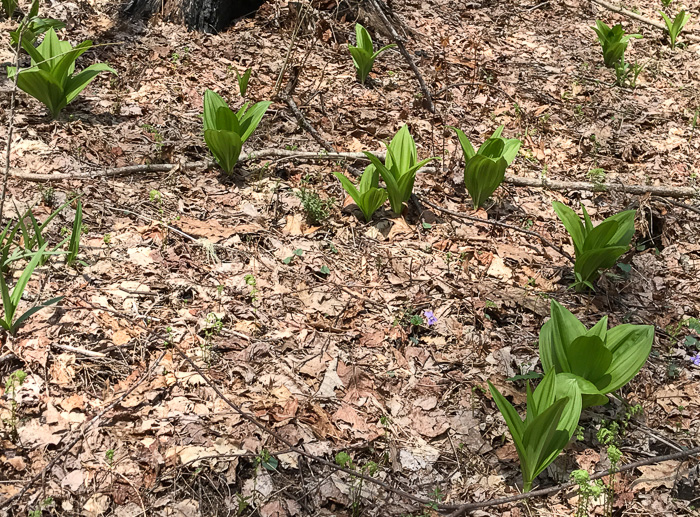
(654, 190)
(639, 17)
(518, 181)
(402, 48)
(11, 126)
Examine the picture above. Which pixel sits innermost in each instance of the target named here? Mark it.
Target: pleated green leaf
(225, 146)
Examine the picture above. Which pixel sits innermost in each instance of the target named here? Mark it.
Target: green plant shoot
(363, 55)
(243, 81)
(675, 26)
(225, 131)
(33, 236)
(50, 79)
(613, 40)
(74, 245)
(553, 412)
(31, 26)
(599, 360)
(368, 197)
(400, 167)
(597, 247)
(485, 169)
(9, 7)
(11, 299)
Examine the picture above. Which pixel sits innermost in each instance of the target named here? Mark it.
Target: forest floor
(319, 329)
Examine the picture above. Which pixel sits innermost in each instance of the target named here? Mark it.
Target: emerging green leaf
(363, 55)
(600, 360)
(614, 42)
(675, 26)
(485, 169)
(553, 412)
(400, 168)
(50, 79)
(598, 247)
(225, 131)
(369, 197)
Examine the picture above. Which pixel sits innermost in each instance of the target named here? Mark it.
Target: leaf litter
(331, 358)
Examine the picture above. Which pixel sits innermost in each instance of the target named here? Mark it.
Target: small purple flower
(695, 359)
(430, 318)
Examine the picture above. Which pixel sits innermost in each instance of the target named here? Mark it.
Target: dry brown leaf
(655, 476)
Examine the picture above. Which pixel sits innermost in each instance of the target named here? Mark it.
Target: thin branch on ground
(678, 204)
(305, 124)
(654, 190)
(11, 126)
(487, 85)
(402, 48)
(517, 181)
(462, 509)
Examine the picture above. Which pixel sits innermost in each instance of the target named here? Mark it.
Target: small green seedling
(369, 197)
(31, 237)
(243, 81)
(363, 55)
(675, 26)
(597, 247)
(613, 40)
(225, 131)
(11, 299)
(296, 253)
(553, 412)
(50, 79)
(485, 169)
(599, 360)
(400, 167)
(626, 74)
(74, 245)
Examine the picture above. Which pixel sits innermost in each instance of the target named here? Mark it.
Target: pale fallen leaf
(73, 480)
(186, 508)
(654, 476)
(36, 434)
(498, 269)
(331, 381)
(97, 505)
(294, 225)
(140, 256)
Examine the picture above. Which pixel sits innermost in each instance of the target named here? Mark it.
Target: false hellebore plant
(614, 41)
(400, 167)
(596, 247)
(363, 55)
(675, 26)
(485, 169)
(369, 197)
(553, 412)
(599, 360)
(50, 79)
(225, 130)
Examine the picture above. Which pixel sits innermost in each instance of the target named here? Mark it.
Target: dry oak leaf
(429, 424)
(655, 476)
(498, 269)
(358, 425)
